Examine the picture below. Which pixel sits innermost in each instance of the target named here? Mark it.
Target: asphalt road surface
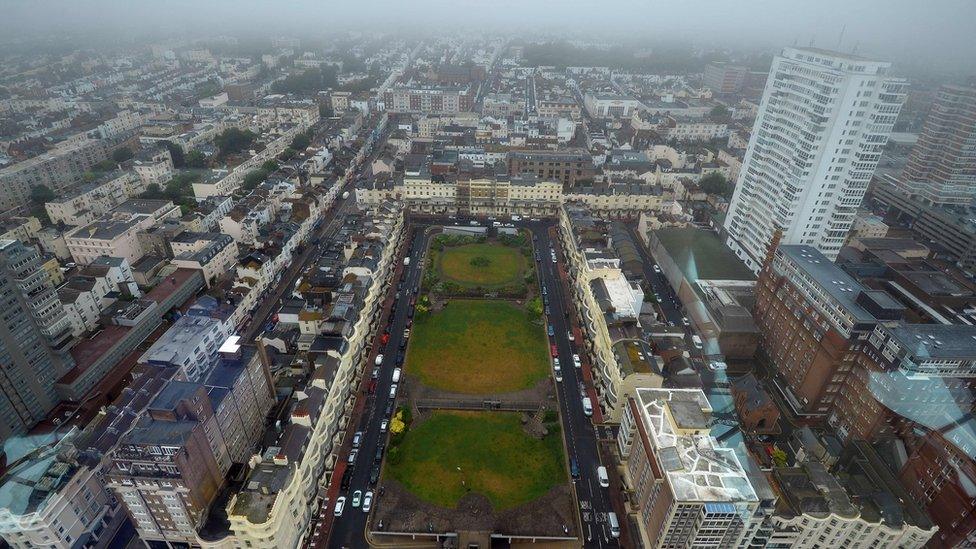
(349, 529)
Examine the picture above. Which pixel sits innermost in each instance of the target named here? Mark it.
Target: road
(349, 530)
(581, 439)
(581, 442)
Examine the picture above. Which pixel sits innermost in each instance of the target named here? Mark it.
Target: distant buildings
(823, 122)
(725, 78)
(941, 169)
(429, 100)
(570, 167)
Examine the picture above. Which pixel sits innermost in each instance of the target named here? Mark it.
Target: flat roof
(701, 255)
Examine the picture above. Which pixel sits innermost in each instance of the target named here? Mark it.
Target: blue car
(574, 468)
(551, 331)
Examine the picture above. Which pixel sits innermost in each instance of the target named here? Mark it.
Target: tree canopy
(122, 154)
(307, 82)
(715, 183)
(233, 141)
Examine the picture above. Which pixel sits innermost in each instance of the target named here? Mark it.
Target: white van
(614, 524)
(396, 375)
(587, 406)
(601, 475)
(393, 389)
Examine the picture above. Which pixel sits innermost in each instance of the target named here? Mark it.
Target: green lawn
(496, 458)
(505, 265)
(478, 347)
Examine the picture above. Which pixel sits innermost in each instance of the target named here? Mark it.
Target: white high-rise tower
(824, 119)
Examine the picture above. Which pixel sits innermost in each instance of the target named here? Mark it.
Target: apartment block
(571, 168)
(823, 122)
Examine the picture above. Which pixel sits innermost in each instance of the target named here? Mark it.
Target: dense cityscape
(481, 289)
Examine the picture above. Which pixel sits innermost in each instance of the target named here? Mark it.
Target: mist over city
(487, 274)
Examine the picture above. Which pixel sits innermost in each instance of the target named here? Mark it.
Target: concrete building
(858, 504)
(153, 165)
(823, 122)
(53, 496)
(685, 488)
(430, 100)
(941, 169)
(214, 254)
(571, 168)
(191, 345)
(606, 105)
(724, 78)
(86, 203)
(32, 335)
(116, 234)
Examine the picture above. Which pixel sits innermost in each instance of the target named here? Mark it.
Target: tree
(254, 178)
(121, 154)
(196, 159)
(779, 457)
(42, 194)
(153, 191)
(719, 113)
(287, 154)
(233, 141)
(300, 142)
(534, 306)
(715, 183)
(269, 166)
(176, 153)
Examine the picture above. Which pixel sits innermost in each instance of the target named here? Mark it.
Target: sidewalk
(324, 527)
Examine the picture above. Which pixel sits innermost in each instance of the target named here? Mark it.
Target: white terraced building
(824, 119)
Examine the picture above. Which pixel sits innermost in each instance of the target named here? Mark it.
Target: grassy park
(478, 347)
(452, 453)
(482, 265)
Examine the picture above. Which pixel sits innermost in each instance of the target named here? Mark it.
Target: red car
(384, 339)
(554, 351)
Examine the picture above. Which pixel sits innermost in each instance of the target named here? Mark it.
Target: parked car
(551, 331)
(383, 425)
(697, 341)
(657, 269)
(577, 362)
(367, 501)
(396, 375)
(574, 468)
(357, 498)
(685, 321)
(352, 455)
(379, 453)
(570, 335)
(379, 359)
(587, 407)
(374, 475)
(357, 439)
(340, 505)
(601, 475)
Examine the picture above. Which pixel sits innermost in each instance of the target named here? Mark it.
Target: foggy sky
(934, 32)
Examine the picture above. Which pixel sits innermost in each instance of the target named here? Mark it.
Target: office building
(942, 166)
(33, 330)
(823, 122)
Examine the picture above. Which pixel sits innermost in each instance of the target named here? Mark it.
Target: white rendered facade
(824, 120)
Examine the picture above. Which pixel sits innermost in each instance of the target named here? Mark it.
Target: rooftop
(696, 466)
(701, 255)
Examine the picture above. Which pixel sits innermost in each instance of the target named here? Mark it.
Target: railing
(477, 404)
